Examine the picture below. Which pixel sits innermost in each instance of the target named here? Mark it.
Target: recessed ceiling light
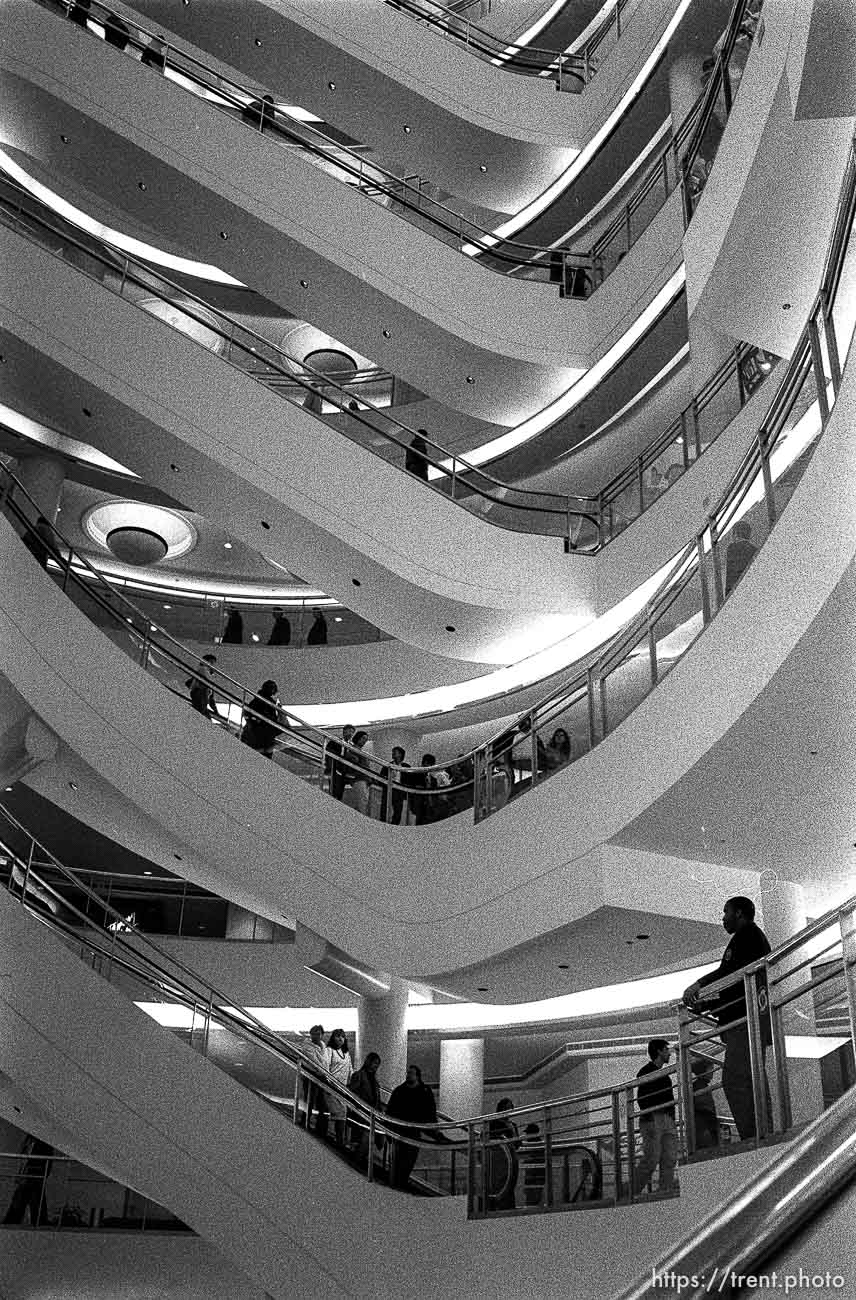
(643, 936)
(563, 965)
(87, 412)
(331, 85)
(304, 284)
(253, 636)
(449, 627)
(167, 606)
(8, 788)
(178, 857)
(482, 167)
(266, 525)
(482, 988)
(386, 334)
(471, 379)
(147, 873)
(337, 620)
(72, 785)
(257, 43)
(407, 130)
(786, 306)
(141, 185)
(227, 546)
(224, 234)
(356, 582)
(174, 468)
(64, 139)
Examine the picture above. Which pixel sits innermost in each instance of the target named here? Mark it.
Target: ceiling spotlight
(87, 412)
(482, 988)
(337, 620)
(64, 139)
(167, 606)
(386, 334)
(253, 636)
(331, 85)
(786, 306)
(174, 468)
(72, 785)
(266, 525)
(147, 873)
(224, 234)
(304, 284)
(257, 43)
(141, 185)
(563, 965)
(482, 167)
(8, 788)
(449, 627)
(227, 546)
(407, 130)
(471, 379)
(178, 857)
(356, 582)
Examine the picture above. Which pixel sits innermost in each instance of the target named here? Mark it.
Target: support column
(783, 909)
(461, 1077)
(382, 1028)
(43, 477)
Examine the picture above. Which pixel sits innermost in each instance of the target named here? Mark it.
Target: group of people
(411, 1104)
(655, 1096)
(280, 633)
(418, 796)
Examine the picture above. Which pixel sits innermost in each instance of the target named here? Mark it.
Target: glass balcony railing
(571, 1152)
(56, 1192)
(584, 524)
(571, 70)
(590, 701)
(577, 274)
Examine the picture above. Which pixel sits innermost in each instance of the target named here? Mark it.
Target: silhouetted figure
(115, 32)
(318, 1053)
(656, 1102)
(261, 732)
(317, 634)
(748, 944)
(740, 554)
(79, 13)
(201, 692)
(363, 1083)
(338, 772)
(281, 630)
(233, 632)
(40, 541)
(154, 56)
(29, 1193)
(398, 796)
(413, 1102)
(414, 457)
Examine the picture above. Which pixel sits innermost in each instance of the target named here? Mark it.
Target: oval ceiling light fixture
(138, 533)
(135, 247)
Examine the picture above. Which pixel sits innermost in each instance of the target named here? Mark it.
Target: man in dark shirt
(656, 1102)
(748, 944)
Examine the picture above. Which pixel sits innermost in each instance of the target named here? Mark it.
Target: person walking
(318, 1054)
(748, 944)
(281, 630)
(262, 725)
(317, 634)
(201, 690)
(656, 1101)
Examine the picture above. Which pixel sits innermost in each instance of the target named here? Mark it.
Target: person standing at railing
(201, 692)
(318, 1054)
(748, 944)
(364, 1084)
(502, 1158)
(317, 634)
(656, 1102)
(358, 793)
(261, 732)
(415, 458)
(339, 774)
(340, 1068)
(233, 632)
(413, 1103)
(281, 630)
(29, 1193)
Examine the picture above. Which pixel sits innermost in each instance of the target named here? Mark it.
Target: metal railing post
(207, 1030)
(756, 1055)
(298, 1079)
(767, 477)
(533, 742)
(631, 1148)
(548, 1158)
(685, 1080)
(471, 1171)
(817, 366)
(616, 1144)
(782, 1116)
(847, 926)
(370, 1159)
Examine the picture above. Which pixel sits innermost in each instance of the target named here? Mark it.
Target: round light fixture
(138, 533)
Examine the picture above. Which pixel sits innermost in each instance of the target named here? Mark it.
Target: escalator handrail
(745, 1233)
(514, 252)
(508, 53)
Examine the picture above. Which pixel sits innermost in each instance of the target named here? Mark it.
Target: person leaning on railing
(748, 944)
(413, 1102)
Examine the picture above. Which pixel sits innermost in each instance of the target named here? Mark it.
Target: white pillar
(382, 1028)
(461, 1077)
(43, 476)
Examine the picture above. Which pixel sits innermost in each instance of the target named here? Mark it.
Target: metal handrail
(372, 177)
(510, 55)
(746, 1232)
(464, 482)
